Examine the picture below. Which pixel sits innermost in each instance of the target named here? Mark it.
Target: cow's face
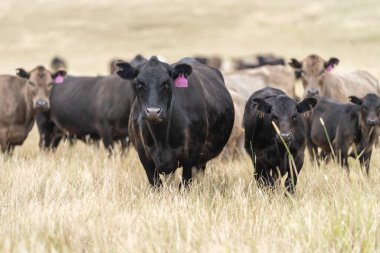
(153, 82)
(39, 84)
(369, 108)
(285, 113)
(312, 71)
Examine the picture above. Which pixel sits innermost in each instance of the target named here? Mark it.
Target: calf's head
(285, 113)
(312, 71)
(154, 83)
(369, 108)
(39, 83)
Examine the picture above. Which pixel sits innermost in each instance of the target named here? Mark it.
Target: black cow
(265, 146)
(58, 63)
(81, 107)
(346, 124)
(88, 108)
(182, 117)
(258, 61)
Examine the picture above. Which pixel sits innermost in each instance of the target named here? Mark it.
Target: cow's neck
(368, 134)
(160, 131)
(28, 101)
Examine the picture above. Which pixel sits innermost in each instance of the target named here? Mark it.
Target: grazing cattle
(213, 61)
(257, 61)
(318, 79)
(265, 145)
(235, 145)
(58, 63)
(139, 59)
(346, 125)
(182, 117)
(22, 96)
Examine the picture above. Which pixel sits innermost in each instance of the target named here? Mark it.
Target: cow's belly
(16, 135)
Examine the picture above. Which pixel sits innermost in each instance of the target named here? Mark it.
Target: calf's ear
(294, 63)
(262, 105)
(331, 63)
(22, 73)
(182, 68)
(125, 70)
(355, 100)
(306, 105)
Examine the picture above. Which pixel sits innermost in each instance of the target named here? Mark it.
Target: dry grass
(77, 199)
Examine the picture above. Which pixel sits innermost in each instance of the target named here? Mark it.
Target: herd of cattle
(187, 113)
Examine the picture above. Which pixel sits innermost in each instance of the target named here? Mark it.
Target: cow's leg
(107, 138)
(340, 150)
(150, 170)
(262, 176)
(187, 175)
(293, 172)
(124, 145)
(55, 142)
(9, 149)
(365, 160)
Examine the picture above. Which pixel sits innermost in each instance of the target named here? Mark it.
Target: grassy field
(79, 200)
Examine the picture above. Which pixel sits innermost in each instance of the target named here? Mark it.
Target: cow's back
(341, 85)
(12, 102)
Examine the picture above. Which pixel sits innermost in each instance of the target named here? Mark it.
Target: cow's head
(312, 71)
(369, 108)
(154, 83)
(39, 84)
(285, 113)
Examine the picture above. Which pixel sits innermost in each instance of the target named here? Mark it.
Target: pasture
(80, 200)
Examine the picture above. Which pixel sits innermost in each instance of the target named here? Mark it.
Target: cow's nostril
(41, 102)
(153, 111)
(286, 135)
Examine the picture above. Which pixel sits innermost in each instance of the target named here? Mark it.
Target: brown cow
(245, 82)
(20, 98)
(318, 79)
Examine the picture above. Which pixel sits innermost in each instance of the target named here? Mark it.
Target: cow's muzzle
(42, 105)
(153, 114)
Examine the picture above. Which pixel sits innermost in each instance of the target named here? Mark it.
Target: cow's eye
(31, 83)
(164, 85)
(294, 117)
(140, 85)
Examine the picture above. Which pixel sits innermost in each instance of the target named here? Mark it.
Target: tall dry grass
(78, 199)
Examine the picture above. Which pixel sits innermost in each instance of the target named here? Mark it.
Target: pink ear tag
(58, 79)
(181, 82)
(329, 68)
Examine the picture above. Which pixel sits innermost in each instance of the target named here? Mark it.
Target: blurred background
(89, 33)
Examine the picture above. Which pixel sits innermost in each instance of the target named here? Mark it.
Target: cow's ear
(182, 68)
(330, 64)
(295, 64)
(59, 73)
(306, 105)
(262, 105)
(125, 70)
(22, 73)
(355, 100)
